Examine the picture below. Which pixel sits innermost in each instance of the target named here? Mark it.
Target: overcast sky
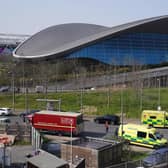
(31, 16)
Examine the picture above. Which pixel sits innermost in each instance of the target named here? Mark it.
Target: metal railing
(129, 164)
(159, 161)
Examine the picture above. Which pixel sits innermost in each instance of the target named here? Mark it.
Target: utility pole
(141, 95)
(71, 154)
(81, 100)
(13, 90)
(122, 112)
(159, 107)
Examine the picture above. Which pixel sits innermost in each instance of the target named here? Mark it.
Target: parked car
(111, 119)
(159, 156)
(5, 120)
(5, 111)
(4, 89)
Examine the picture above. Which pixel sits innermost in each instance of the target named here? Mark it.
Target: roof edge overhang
(87, 40)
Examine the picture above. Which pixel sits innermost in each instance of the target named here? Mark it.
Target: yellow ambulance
(142, 135)
(155, 118)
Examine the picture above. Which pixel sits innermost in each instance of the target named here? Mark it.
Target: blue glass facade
(139, 48)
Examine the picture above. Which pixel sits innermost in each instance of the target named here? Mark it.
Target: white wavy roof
(59, 40)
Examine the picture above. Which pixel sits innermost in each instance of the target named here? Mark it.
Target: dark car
(26, 113)
(159, 156)
(111, 119)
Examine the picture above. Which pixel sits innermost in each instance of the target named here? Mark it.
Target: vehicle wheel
(127, 142)
(155, 147)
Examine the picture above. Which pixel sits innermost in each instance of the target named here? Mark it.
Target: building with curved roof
(139, 42)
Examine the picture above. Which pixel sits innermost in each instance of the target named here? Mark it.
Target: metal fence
(129, 164)
(139, 164)
(22, 132)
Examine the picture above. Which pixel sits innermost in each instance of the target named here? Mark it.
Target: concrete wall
(89, 154)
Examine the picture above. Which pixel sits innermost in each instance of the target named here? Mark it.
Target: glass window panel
(144, 47)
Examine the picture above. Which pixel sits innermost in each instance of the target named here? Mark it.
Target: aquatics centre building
(142, 42)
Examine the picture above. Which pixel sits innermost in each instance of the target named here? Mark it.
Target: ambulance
(142, 135)
(155, 118)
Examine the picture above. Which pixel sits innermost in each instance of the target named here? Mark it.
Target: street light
(4, 156)
(159, 107)
(141, 92)
(122, 103)
(26, 97)
(71, 144)
(122, 117)
(13, 88)
(81, 100)
(25, 87)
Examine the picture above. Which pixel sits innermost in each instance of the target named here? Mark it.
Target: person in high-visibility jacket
(107, 126)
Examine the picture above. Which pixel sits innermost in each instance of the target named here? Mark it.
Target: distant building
(139, 42)
(8, 42)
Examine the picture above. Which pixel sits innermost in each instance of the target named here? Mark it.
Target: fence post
(126, 164)
(6, 128)
(140, 163)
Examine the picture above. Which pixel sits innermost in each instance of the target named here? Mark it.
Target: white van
(5, 111)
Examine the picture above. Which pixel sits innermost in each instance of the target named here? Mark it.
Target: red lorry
(61, 122)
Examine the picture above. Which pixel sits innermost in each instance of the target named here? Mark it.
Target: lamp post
(25, 87)
(159, 107)
(71, 144)
(81, 100)
(13, 90)
(122, 119)
(122, 103)
(26, 97)
(141, 92)
(4, 153)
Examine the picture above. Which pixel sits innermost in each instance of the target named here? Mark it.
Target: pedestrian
(107, 126)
